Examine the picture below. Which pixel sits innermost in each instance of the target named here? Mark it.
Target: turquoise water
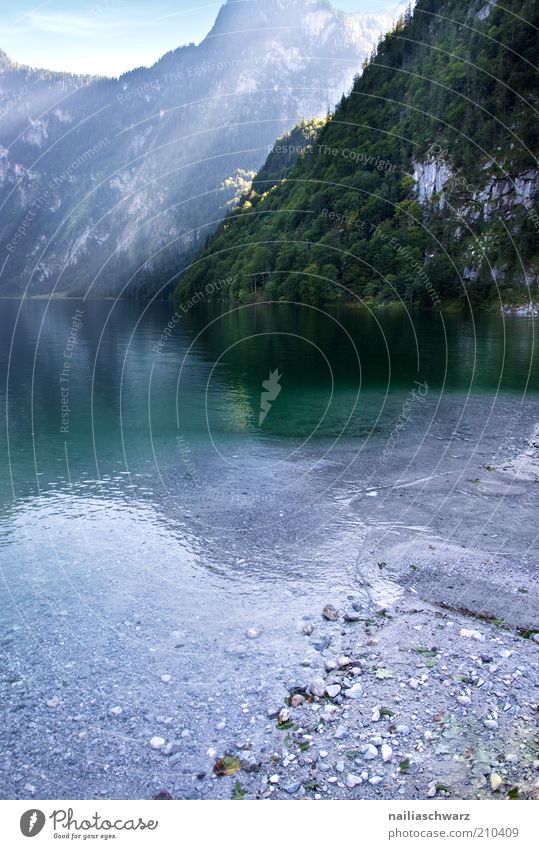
(134, 403)
(150, 516)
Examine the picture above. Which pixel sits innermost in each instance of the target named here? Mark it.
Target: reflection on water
(105, 399)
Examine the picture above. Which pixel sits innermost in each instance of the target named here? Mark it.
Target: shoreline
(525, 309)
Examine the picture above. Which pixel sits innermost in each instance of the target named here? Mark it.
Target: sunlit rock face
(110, 185)
(431, 177)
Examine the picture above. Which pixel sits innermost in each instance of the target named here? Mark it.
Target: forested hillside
(108, 184)
(421, 186)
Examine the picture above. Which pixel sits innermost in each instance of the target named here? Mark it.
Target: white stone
(317, 687)
(496, 781)
(353, 780)
(157, 742)
(471, 634)
(387, 752)
(370, 752)
(355, 691)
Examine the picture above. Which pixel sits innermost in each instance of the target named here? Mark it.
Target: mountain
(423, 185)
(107, 184)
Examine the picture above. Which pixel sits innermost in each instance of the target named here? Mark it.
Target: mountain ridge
(154, 158)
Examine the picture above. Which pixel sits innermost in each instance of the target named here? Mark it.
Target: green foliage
(334, 211)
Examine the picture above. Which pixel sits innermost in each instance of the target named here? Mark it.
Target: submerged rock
(330, 613)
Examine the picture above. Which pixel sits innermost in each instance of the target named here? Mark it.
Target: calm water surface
(148, 517)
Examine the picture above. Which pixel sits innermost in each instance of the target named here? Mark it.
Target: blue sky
(112, 36)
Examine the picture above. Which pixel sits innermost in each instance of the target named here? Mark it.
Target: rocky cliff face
(436, 184)
(105, 183)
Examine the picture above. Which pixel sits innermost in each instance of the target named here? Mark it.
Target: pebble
(116, 710)
(344, 661)
(252, 633)
(54, 702)
(292, 788)
(464, 700)
(369, 752)
(296, 700)
(157, 742)
(413, 683)
(341, 732)
(351, 616)
(308, 628)
(221, 724)
(339, 766)
(330, 665)
(387, 752)
(376, 779)
(353, 780)
(496, 781)
(355, 691)
(317, 687)
(274, 779)
(333, 690)
(330, 613)
(471, 634)
(272, 712)
(30, 789)
(166, 678)
(490, 723)
(284, 716)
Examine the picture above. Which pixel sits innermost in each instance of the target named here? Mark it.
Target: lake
(179, 489)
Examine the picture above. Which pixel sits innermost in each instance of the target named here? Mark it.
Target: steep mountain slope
(105, 184)
(422, 187)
